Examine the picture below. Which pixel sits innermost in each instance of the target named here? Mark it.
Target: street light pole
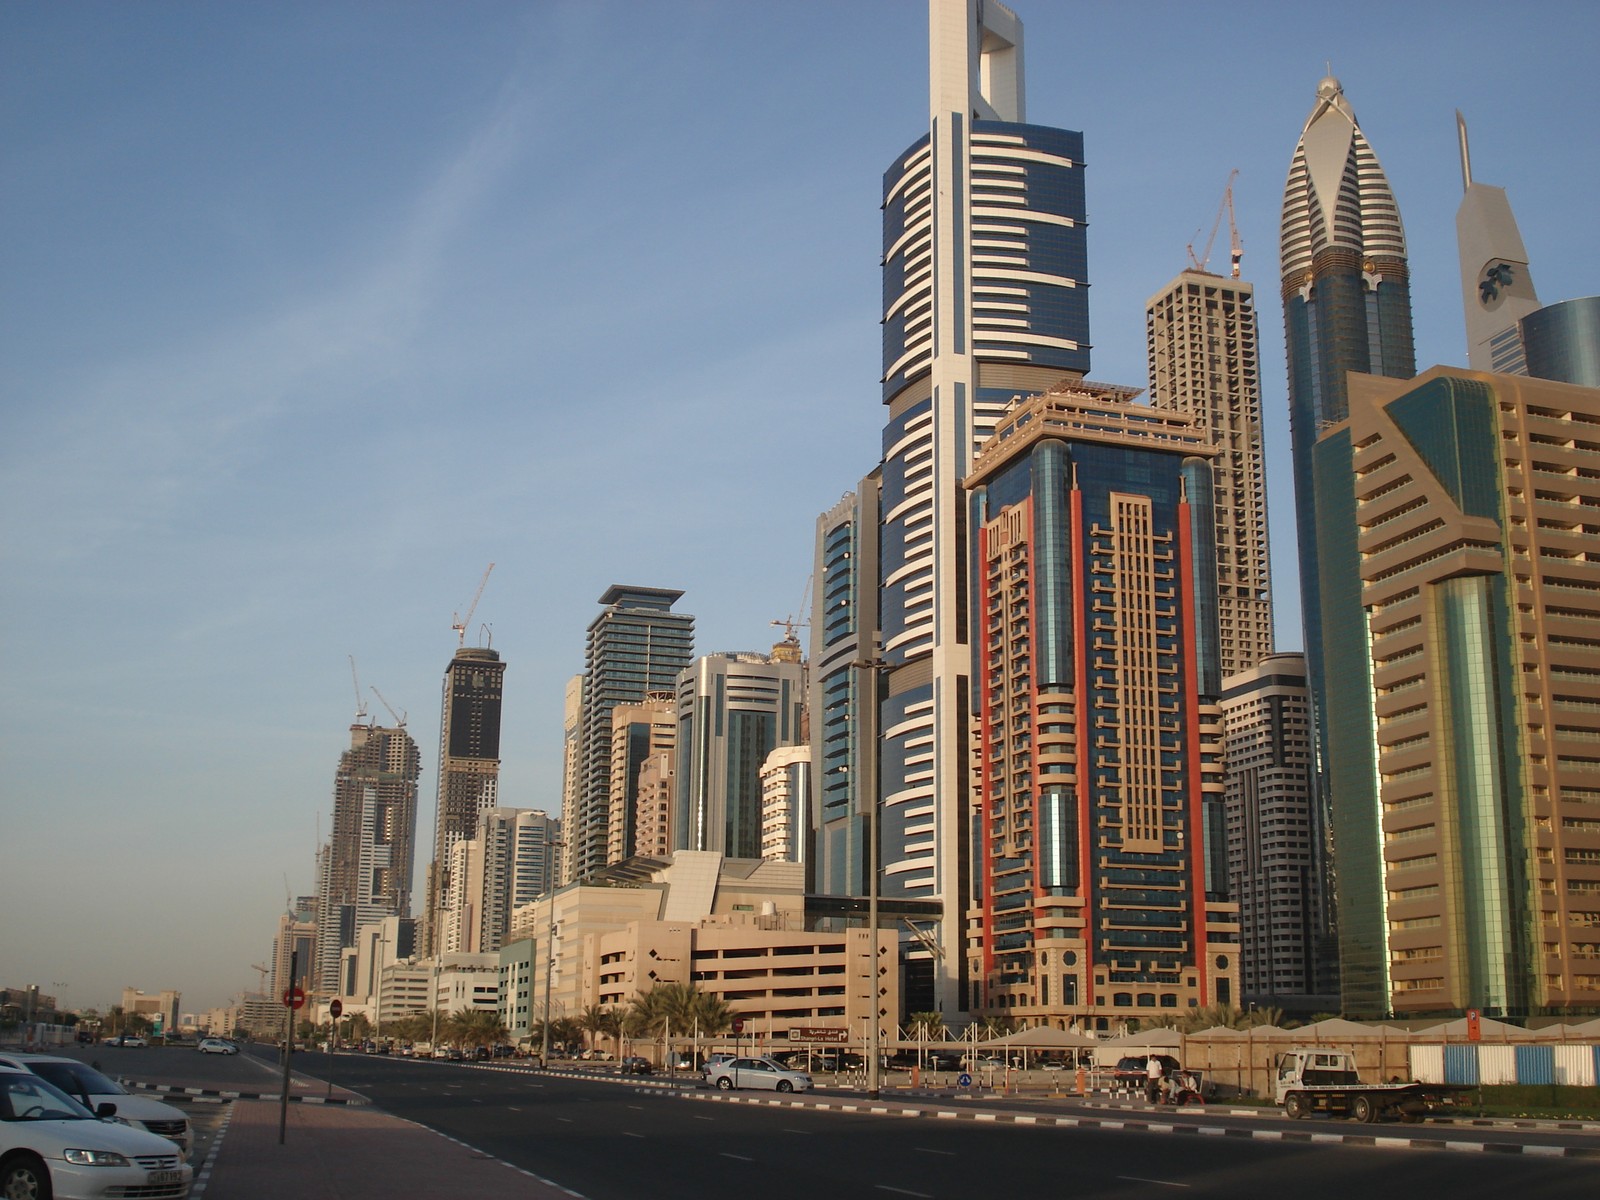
(873, 665)
(549, 970)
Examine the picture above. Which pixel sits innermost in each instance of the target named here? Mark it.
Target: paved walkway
(346, 1153)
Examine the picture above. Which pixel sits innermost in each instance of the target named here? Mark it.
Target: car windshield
(77, 1079)
(29, 1098)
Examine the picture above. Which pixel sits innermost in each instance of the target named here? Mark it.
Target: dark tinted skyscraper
(1347, 307)
(469, 764)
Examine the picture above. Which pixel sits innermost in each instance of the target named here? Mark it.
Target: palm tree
(595, 1021)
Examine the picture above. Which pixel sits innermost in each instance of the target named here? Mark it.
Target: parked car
(51, 1145)
(125, 1039)
(635, 1065)
(757, 1073)
(217, 1046)
(713, 1061)
(92, 1089)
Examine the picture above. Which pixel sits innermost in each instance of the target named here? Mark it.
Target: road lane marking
(700, 1118)
(884, 1187)
(630, 1133)
(803, 1132)
(568, 1120)
(926, 1150)
(1157, 1182)
(740, 1157)
(514, 1108)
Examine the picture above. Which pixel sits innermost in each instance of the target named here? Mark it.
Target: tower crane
(798, 618)
(1236, 248)
(261, 986)
(460, 623)
(361, 704)
(399, 717)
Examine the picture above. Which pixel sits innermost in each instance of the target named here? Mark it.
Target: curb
(214, 1096)
(1139, 1126)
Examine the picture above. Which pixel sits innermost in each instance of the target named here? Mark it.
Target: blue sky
(309, 311)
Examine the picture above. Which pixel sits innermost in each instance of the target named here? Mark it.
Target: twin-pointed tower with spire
(1347, 308)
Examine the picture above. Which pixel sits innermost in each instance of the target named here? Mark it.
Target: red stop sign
(335, 1007)
(294, 998)
(738, 1026)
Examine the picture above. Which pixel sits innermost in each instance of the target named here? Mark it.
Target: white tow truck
(1322, 1080)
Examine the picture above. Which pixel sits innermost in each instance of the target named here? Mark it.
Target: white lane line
(640, 1107)
(700, 1118)
(740, 1157)
(803, 1132)
(514, 1108)
(630, 1133)
(884, 1187)
(1157, 1182)
(926, 1150)
(568, 1120)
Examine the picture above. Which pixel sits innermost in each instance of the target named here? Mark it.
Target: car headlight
(94, 1158)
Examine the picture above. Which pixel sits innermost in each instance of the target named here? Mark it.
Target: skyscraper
(844, 623)
(733, 711)
(1476, 499)
(1347, 308)
(1099, 874)
(985, 298)
(639, 733)
(1496, 285)
(1277, 842)
(507, 863)
(364, 871)
(469, 766)
(1205, 363)
(637, 645)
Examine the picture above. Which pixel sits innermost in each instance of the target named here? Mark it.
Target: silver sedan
(757, 1073)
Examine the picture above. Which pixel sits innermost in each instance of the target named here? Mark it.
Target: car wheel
(25, 1178)
(725, 1082)
(785, 1086)
(1294, 1104)
(1364, 1110)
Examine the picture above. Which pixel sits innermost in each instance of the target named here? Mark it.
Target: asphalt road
(616, 1141)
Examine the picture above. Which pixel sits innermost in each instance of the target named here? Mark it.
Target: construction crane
(361, 704)
(460, 623)
(796, 619)
(399, 717)
(265, 971)
(1235, 246)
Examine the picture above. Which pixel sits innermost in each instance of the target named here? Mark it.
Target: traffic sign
(738, 1026)
(335, 1007)
(294, 997)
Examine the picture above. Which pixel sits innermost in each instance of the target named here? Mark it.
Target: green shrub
(1541, 1100)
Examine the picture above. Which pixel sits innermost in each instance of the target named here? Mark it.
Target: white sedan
(757, 1073)
(217, 1046)
(52, 1145)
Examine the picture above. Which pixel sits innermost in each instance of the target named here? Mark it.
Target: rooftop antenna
(1466, 158)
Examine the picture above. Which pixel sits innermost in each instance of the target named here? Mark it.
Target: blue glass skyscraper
(1347, 308)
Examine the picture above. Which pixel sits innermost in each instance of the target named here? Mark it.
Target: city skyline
(288, 288)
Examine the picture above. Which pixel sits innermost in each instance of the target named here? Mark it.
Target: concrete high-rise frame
(364, 871)
(1205, 363)
(1347, 309)
(985, 298)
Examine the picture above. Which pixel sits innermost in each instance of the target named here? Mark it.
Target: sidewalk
(343, 1153)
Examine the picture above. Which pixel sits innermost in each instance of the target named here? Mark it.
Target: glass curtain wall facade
(1100, 872)
(1475, 500)
(636, 646)
(984, 299)
(1347, 308)
(733, 711)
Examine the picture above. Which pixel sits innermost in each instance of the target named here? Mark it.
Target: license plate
(165, 1177)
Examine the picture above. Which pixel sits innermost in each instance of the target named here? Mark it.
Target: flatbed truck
(1317, 1080)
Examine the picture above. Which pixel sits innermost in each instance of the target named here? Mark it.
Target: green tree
(929, 1026)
